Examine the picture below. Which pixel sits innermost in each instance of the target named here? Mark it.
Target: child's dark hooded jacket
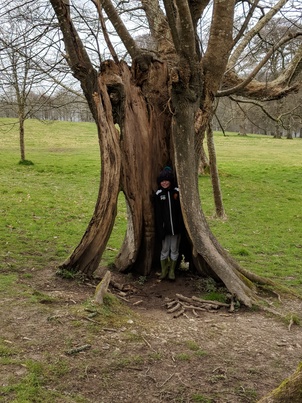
(168, 217)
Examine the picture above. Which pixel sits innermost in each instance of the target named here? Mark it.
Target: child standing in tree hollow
(169, 224)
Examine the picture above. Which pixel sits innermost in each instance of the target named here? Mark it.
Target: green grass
(261, 185)
(46, 207)
(201, 399)
(6, 281)
(31, 388)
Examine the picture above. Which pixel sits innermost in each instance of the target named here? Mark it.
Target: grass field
(46, 207)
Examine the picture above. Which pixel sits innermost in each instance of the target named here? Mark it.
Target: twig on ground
(172, 303)
(91, 320)
(148, 344)
(167, 380)
(174, 308)
(117, 285)
(291, 322)
(183, 298)
(205, 301)
(122, 298)
(149, 376)
(232, 306)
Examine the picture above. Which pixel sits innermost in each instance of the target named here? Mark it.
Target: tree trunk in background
(200, 134)
(22, 142)
(278, 132)
(242, 127)
(219, 209)
(289, 134)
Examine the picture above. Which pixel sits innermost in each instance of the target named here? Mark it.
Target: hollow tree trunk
(135, 156)
(144, 146)
(130, 163)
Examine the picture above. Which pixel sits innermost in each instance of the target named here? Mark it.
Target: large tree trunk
(205, 246)
(138, 101)
(130, 163)
(157, 105)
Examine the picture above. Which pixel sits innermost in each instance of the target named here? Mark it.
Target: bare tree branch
(105, 32)
(258, 104)
(253, 32)
(120, 28)
(76, 56)
(216, 56)
(158, 26)
(186, 29)
(172, 21)
(197, 8)
(283, 78)
(246, 22)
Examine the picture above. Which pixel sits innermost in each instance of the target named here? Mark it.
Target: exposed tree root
(182, 304)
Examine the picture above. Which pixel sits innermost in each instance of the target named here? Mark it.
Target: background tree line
(60, 106)
(277, 118)
(35, 83)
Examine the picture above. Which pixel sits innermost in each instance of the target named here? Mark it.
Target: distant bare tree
(29, 76)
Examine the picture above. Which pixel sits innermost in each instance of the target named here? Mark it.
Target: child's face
(165, 184)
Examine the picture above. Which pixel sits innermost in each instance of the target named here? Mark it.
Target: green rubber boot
(164, 268)
(172, 270)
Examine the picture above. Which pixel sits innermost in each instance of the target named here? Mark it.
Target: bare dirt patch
(149, 356)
